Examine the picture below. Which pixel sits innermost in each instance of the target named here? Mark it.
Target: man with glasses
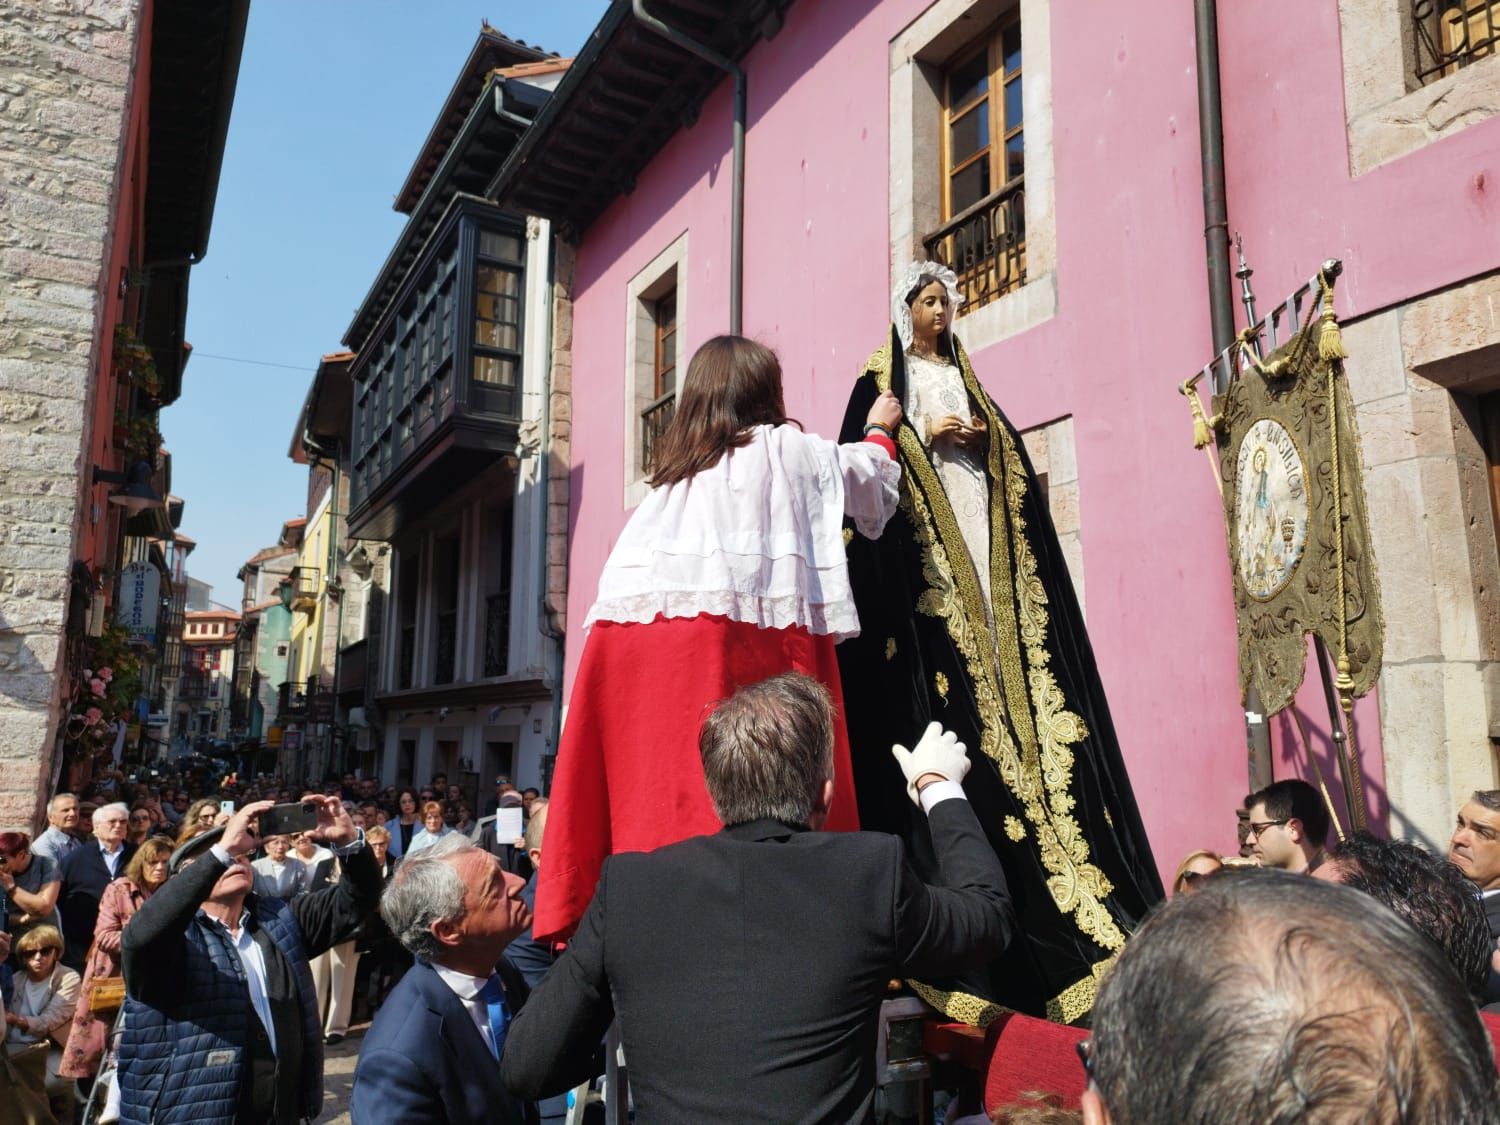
(1288, 826)
(85, 874)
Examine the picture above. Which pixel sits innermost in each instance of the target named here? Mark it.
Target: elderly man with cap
(221, 1014)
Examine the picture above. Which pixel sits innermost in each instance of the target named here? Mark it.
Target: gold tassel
(1330, 339)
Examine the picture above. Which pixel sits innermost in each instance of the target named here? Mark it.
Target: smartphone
(284, 820)
(226, 808)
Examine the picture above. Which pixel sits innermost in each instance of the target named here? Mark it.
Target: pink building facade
(845, 167)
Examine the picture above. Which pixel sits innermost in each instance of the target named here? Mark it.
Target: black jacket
(84, 877)
(747, 968)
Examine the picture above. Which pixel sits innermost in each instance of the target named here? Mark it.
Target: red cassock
(755, 546)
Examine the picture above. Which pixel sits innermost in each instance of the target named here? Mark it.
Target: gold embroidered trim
(961, 1006)
(1077, 1000)
(940, 682)
(1015, 829)
(1040, 772)
(848, 536)
(890, 648)
(1068, 1006)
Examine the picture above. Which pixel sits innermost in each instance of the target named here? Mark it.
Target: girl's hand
(885, 411)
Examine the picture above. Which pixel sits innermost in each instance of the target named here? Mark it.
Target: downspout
(1221, 291)
(737, 203)
(544, 476)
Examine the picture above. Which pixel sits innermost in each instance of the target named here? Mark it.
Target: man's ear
(1094, 1111)
(822, 802)
(448, 932)
(1297, 832)
(535, 855)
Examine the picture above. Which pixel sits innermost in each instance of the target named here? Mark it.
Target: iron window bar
(985, 245)
(1452, 34)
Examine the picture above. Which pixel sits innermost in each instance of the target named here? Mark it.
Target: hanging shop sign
(140, 599)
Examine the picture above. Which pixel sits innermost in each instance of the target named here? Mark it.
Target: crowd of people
(68, 890)
(704, 893)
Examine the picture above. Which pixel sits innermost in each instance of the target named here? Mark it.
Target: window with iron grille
(983, 236)
(1452, 34)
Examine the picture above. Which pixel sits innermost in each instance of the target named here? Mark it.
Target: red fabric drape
(628, 775)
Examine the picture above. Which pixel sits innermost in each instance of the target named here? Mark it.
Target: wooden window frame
(660, 370)
(991, 42)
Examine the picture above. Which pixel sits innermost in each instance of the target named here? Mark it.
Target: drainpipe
(544, 474)
(737, 204)
(1221, 292)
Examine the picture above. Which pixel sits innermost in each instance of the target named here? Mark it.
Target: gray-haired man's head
(454, 904)
(1275, 998)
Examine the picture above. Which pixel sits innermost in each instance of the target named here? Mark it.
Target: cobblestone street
(338, 1076)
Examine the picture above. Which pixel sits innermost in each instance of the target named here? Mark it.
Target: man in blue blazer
(433, 1052)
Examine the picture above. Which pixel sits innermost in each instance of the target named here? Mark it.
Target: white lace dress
(935, 389)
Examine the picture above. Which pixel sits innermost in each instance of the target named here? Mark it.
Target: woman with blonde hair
(433, 829)
(1194, 868)
(45, 994)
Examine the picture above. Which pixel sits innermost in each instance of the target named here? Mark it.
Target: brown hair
(40, 937)
(152, 850)
(430, 807)
(732, 384)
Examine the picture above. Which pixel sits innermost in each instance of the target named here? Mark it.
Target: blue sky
(334, 101)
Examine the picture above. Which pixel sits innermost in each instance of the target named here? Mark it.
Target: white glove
(939, 752)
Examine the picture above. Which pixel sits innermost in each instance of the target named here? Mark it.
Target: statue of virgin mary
(969, 619)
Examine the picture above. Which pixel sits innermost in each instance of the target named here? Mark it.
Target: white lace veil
(901, 311)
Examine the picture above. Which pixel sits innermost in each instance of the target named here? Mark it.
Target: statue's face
(929, 312)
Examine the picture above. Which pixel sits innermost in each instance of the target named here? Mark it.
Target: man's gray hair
(536, 825)
(119, 808)
(1489, 798)
(768, 749)
(427, 888)
(1275, 998)
(56, 797)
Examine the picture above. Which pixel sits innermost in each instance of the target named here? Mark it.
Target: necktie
(493, 997)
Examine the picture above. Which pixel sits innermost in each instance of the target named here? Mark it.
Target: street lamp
(137, 495)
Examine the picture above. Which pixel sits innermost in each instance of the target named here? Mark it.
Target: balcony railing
(292, 700)
(446, 654)
(306, 583)
(195, 685)
(497, 634)
(1451, 34)
(654, 422)
(985, 245)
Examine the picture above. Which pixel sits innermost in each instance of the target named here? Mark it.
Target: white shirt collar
(463, 985)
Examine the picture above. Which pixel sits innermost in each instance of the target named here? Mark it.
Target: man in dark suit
(747, 968)
(504, 848)
(432, 1054)
(86, 871)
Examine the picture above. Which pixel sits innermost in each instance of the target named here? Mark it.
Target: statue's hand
(966, 435)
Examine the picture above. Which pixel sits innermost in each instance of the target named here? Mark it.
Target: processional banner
(1295, 513)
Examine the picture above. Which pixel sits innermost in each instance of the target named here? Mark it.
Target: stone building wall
(65, 77)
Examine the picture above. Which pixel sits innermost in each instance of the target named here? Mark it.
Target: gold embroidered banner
(1292, 473)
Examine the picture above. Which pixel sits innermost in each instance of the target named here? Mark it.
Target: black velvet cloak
(1046, 777)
